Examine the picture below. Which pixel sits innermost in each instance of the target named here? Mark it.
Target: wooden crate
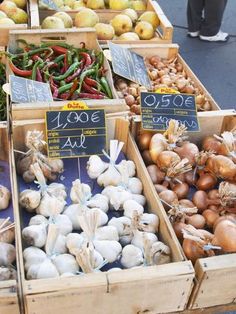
(71, 37)
(215, 282)
(155, 289)
(164, 32)
(172, 51)
(8, 289)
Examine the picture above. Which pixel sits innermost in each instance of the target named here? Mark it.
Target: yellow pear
(8, 7)
(66, 19)
(129, 36)
(121, 24)
(95, 4)
(78, 4)
(19, 17)
(138, 5)
(52, 22)
(118, 4)
(131, 13)
(104, 31)
(6, 21)
(86, 18)
(19, 3)
(144, 30)
(2, 15)
(151, 17)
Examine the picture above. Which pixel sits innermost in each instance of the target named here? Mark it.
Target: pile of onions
(197, 188)
(162, 73)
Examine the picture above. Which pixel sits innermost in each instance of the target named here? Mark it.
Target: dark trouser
(210, 23)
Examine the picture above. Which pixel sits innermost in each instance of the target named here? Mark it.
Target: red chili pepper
(59, 50)
(39, 77)
(87, 58)
(36, 58)
(54, 88)
(102, 71)
(65, 96)
(76, 74)
(91, 82)
(19, 72)
(91, 90)
(90, 96)
(73, 88)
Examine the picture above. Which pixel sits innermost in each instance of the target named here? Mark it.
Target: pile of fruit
(126, 25)
(12, 12)
(67, 5)
(3, 99)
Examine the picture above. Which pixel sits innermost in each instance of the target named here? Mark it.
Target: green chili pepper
(62, 83)
(106, 87)
(82, 77)
(100, 59)
(34, 70)
(25, 60)
(71, 69)
(65, 88)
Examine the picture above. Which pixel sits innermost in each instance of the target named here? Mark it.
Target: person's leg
(194, 14)
(213, 13)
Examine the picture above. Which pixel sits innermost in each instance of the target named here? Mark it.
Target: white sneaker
(220, 36)
(193, 34)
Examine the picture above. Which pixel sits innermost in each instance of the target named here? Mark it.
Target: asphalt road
(213, 63)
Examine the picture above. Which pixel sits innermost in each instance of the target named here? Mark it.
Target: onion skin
(166, 158)
(200, 200)
(211, 216)
(147, 157)
(230, 217)
(156, 175)
(190, 178)
(206, 182)
(157, 145)
(186, 203)
(187, 150)
(169, 197)
(192, 250)
(225, 233)
(213, 194)
(210, 143)
(144, 140)
(222, 167)
(159, 188)
(181, 190)
(196, 220)
(178, 227)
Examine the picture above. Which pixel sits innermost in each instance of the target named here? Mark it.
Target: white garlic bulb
(98, 201)
(80, 192)
(131, 207)
(149, 222)
(30, 200)
(117, 195)
(112, 270)
(129, 165)
(57, 190)
(131, 256)
(50, 205)
(139, 198)
(38, 220)
(7, 254)
(160, 253)
(65, 263)
(7, 236)
(110, 250)
(95, 166)
(74, 242)
(66, 275)
(107, 233)
(46, 269)
(35, 235)
(7, 273)
(110, 177)
(60, 245)
(5, 196)
(135, 185)
(63, 223)
(141, 238)
(33, 255)
(121, 224)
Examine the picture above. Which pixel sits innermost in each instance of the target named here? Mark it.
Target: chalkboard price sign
(129, 64)
(24, 90)
(76, 133)
(157, 109)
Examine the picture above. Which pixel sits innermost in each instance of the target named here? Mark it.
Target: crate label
(25, 90)
(157, 109)
(76, 133)
(75, 105)
(129, 64)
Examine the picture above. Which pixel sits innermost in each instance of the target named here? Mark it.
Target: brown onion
(147, 157)
(201, 200)
(129, 99)
(211, 216)
(206, 182)
(181, 190)
(144, 140)
(222, 167)
(159, 188)
(193, 250)
(230, 217)
(190, 178)
(178, 227)
(210, 143)
(187, 150)
(166, 158)
(186, 203)
(196, 220)
(169, 197)
(158, 144)
(225, 233)
(156, 175)
(213, 194)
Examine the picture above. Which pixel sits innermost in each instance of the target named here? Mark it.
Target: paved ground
(213, 63)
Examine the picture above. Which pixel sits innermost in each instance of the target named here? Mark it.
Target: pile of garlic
(79, 238)
(36, 153)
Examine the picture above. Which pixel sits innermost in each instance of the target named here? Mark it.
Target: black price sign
(24, 90)
(157, 109)
(129, 64)
(76, 133)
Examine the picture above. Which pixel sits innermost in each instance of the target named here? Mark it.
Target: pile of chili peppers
(72, 73)
(3, 97)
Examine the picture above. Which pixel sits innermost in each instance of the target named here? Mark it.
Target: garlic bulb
(59, 245)
(130, 207)
(46, 269)
(38, 220)
(110, 250)
(114, 269)
(141, 199)
(98, 201)
(66, 275)
(149, 222)
(65, 263)
(107, 233)
(129, 165)
(7, 254)
(5, 196)
(117, 195)
(89, 259)
(161, 253)
(74, 242)
(135, 185)
(110, 177)
(30, 200)
(57, 189)
(7, 273)
(35, 235)
(140, 238)
(50, 205)
(7, 230)
(95, 166)
(131, 256)
(33, 255)
(121, 224)
(63, 223)
(80, 192)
